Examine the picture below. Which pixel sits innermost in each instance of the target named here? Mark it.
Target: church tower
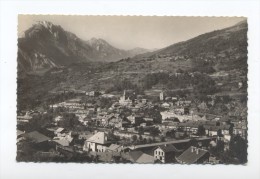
(161, 96)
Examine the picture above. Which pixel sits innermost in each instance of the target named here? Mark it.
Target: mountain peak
(46, 24)
(98, 41)
(99, 44)
(44, 29)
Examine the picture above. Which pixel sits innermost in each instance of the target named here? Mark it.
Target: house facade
(165, 153)
(97, 143)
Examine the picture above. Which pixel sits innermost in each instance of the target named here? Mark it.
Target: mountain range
(45, 46)
(51, 59)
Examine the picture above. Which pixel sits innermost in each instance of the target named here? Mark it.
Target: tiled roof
(190, 155)
(36, 137)
(168, 148)
(134, 155)
(60, 129)
(62, 142)
(145, 159)
(99, 138)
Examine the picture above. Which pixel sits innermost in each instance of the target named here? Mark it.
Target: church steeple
(124, 95)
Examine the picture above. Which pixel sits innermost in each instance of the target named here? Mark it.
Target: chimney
(192, 149)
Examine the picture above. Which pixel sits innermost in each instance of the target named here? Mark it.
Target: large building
(193, 155)
(97, 143)
(165, 153)
(123, 101)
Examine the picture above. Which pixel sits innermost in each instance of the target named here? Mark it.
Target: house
(165, 153)
(167, 114)
(135, 119)
(161, 96)
(115, 121)
(26, 118)
(166, 105)
(97, 143)
(191, 127)
(59, 131)
(193, 155)
(38, 140)
(92, 93)
(84, 136)
(64, 139)
(216, 130)
(62, 142)
(36, 137)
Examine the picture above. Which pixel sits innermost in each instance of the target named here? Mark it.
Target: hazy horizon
(127, 32)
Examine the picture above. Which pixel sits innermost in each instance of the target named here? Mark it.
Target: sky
(127, 32)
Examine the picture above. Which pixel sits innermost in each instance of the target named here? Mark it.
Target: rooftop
(36, 137)
(168, 148)
(191, 155)
(145, 159)
(99, 138)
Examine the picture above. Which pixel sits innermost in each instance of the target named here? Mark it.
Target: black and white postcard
(132, 89)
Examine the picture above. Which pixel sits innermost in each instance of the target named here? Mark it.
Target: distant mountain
(136, 51)
(45, 46)
(224, 49)
(103, 51)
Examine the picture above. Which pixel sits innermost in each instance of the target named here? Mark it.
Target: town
(127, 127)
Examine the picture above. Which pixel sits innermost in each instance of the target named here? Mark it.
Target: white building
(161, 96)
(97, 143)
(123, 101)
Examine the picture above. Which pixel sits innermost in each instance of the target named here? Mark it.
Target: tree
(201, 130)
(154, 131)
(170, 133)
(105, 103)
(140, 130)
(220, 146)
(134, 138)
(219, 133)
(162, 138)
(155, 114)
(140, 138)
(70, 120)
(144, 140)
(238, 147)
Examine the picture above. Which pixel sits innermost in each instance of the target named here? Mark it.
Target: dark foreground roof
(36, 137)
(134, 155)
(191, 155)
